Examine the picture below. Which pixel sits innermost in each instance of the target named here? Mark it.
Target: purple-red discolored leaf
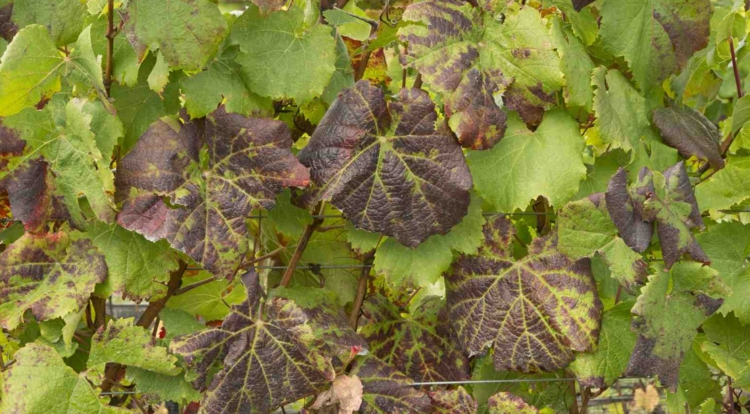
(52, 274)
(273, 353)
(627, 213)
(456, 401)
(578, 5)
(507, 403)
(387, 167)
(473, 115)
(195, 184)
(30, 190)
(386, 390)
(412, 343)
(690, 133)
(535, 311)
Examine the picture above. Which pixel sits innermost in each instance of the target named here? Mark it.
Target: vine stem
(738, 83)
(361, 290)
(114, 371)
(301, 245)
(730, 394)
(111, 33)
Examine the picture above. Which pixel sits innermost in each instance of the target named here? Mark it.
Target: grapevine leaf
(138, 106)
(691, 133)
(740, 113)
(165, 387)
(672, 31)
(456, 401)
(535, 311)
(51, 274)
(621, 111)
(412, 343)
(29, 71)
(517, 54)
(214, 173)
(63, 18)
(584, 228)
(211, 301)
(125, 62)
(424, 264)
(406, 179)
(676, 213)
(8, 28)
(506, 403)
(282, 57)
(576, 65)
(386, 390)
(343, 77)
(190, 38)
(697, 382)
(526, 164)
(728, 345)
(123, 343)
(138, 269)
(671, 307)
(727, 187)
(580, 4)
(268, 353)
(344, 396)
(616, 342)
(159, 76)
(222, 81)
(66, 137)
(41, 382)
(31, 192)
(627, 213)
(728, 246)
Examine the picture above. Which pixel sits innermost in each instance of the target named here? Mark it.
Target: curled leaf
(387, 167)
(691, 133)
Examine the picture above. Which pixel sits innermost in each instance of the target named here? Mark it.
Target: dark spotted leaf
(387, 167)
(534, 311)
(676, 213)
(51, 274)
(585, 228)
(194, 184)
(580, 4)
(30, 189)
(691, 133)
(507, 403)
(456, 401)
(272, 352)
(465, 53)
(669, 311)
(412, 343)
(386, 390)
(626, 212)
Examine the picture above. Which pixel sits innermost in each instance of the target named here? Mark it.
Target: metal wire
(306, 267)
(503, 381)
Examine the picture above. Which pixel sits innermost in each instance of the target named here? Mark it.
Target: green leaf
(178, 322)
(386, 167)
(584, 228)
(526, 164)
(347, 24)
(670, 30)
(621, 111)
(576, 65)
(63, 18)
(424, 264)
(606, 365)
(270, 357)
(728, 345)
(52, 274)
(29, 71)
(159, 76)
(727, 187)
(41, 382)
(123, 343)
(343, 77)
(414, 343)
(165, 387)
(210, 301)
(386, 390)
(125, 63)
(187, 40)
(506, 403)
(740, 113)
(228, 166)
(728, 246)
(138, 268)
(671, 307)
(223, 81)
(696, 384)
(303, 58)
(534, 311)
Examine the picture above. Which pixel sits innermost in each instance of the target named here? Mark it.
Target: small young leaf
(386, 167)
(535, 311)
